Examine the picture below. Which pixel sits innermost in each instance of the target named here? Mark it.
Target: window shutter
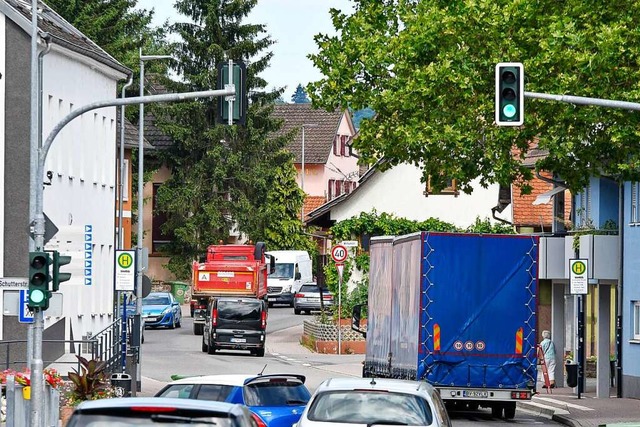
(343, 144)
(337, 187)
(330, 190)
(335, 145)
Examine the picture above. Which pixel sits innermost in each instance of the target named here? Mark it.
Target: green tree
(300, 96)
(427, 69)
(223, 177)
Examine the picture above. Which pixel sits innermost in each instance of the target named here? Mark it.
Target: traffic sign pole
(340, 268)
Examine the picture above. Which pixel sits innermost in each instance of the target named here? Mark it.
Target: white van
(293, 268)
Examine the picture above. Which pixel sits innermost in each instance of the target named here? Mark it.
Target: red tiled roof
(312, 203)
(525, 213)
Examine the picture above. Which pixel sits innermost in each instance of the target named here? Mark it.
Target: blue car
(275, 400)
(161, 309)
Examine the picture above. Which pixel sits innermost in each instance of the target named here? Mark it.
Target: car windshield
(239, 310)
(282, 271)
(313, 289)
(363, 407)
(276, 392)
(155, 300)
(216, 392)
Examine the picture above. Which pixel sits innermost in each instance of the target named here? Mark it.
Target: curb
(563, 419)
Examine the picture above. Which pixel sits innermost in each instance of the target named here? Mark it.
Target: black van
(235, 323)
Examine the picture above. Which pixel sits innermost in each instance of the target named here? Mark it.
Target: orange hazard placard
(436, 337)
(519, 336)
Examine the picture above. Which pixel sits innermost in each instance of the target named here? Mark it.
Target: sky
(291, 24)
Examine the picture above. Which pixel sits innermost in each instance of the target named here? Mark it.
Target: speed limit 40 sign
(339, 253)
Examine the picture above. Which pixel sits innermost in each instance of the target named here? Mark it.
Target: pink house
(330, 169)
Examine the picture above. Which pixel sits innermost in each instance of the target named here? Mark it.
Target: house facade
(79, 192)
(398, 191)
(330, 168)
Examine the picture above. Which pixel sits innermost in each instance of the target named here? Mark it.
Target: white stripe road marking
(561, 403)
(555, 409)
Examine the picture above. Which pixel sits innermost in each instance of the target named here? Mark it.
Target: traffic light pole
(608, 103)
(37, 379)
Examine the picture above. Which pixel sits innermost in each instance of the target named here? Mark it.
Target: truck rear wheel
(510, 410)
(198, 329)
(496, 410)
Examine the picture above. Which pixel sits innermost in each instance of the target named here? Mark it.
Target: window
(636, 320)
(330, 186)
(635, 202)
(159, 238)
(451, 188)
(343, 145)
(336, 149)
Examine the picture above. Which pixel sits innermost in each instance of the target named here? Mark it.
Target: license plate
(238, 340)
(473, 393)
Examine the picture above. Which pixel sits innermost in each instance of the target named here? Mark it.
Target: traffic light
(58, 277)
(509, 102)
(241, 102)
(39, 277)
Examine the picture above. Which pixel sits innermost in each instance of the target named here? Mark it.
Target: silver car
(368, 401)
(308, 298)
(159, 411)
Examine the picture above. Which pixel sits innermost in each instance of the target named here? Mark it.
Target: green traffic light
(509, 110)
(36, 296)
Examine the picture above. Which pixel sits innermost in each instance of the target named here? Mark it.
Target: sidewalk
(563, 406)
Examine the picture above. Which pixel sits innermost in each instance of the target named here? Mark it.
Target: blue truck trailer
(458, 311)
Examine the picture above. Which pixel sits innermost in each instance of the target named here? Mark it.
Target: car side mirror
(356, 317)
(272, 264)
(298, 276)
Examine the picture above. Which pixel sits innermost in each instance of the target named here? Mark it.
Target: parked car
(368, 401)
(161, 309)
(233, 323)
(277, 400)
(133, 411)
(308, 298)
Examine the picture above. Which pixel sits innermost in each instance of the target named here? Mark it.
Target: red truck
(228, 270)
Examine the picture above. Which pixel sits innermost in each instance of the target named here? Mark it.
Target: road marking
(568, 405)
(555, 409)
(306, 364)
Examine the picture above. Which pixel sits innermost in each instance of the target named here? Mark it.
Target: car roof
(152, 402)
(237, 380)
(405, 386)
(158, 293)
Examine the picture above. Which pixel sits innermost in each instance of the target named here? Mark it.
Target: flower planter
(323, 338)
(65, 414)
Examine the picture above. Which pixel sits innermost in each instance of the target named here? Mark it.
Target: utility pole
(37, 378)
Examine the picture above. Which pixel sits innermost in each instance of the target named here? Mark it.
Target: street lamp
(138, 320)
(302, 169)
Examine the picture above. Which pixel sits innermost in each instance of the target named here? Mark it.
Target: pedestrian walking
(549, 351)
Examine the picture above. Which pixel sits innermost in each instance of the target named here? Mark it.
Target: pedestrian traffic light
(509, 103)
(241, 99)
(39, 277)
(58, 277)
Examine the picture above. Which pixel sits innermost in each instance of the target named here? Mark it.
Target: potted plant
(90, 383)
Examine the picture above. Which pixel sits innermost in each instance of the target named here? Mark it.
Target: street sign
(339, 253)
(340, 267)
(24, 315)
(50, 229)
(350, 243)
(14, 283)
(578, 279)
(125, 270)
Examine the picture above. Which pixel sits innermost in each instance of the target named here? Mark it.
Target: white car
(380, 401)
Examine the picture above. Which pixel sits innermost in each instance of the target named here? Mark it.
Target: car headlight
(286, 288)
(166, 310)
